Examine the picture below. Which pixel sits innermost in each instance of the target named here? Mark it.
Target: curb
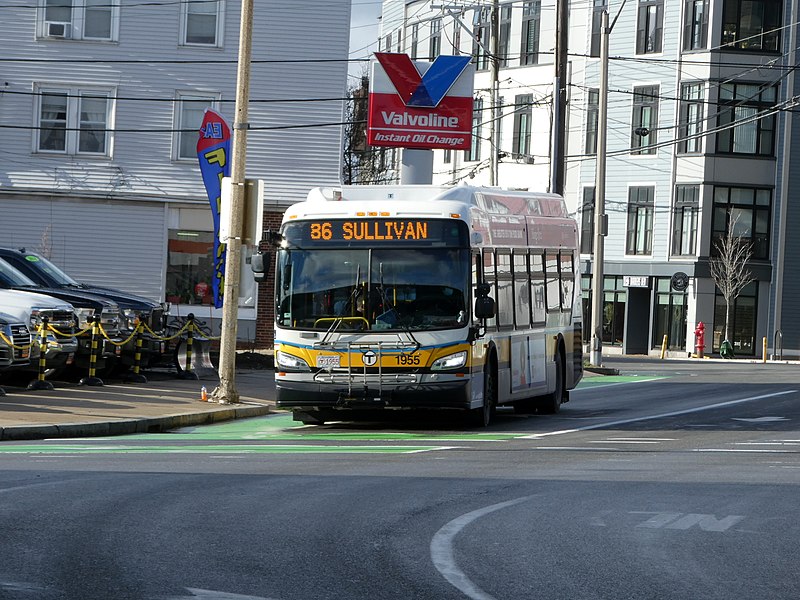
(602, 370)
(128, 426)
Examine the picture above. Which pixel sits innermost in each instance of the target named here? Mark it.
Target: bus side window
(552, 283)
(522, 307)
(537, 288)
(490, 277)
(567, 281)
(505, 289)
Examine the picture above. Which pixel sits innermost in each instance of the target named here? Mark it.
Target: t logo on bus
(425, 91)
(369, 358)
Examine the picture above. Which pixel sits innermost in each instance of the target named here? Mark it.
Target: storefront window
(190, 269)
(742, 326)
(614, 298)
(670, 315)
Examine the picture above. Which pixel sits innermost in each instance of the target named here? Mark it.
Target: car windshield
(363, 289)
(11, 277)
(50, 271)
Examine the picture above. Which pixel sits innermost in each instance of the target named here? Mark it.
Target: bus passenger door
(527, 365)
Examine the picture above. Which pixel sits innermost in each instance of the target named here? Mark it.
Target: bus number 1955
(407, 359)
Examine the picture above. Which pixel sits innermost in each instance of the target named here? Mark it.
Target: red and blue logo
(422, 91)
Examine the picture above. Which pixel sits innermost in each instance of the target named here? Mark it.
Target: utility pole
(600, 218)
(558, 136)
(226, 392)
(494, 43)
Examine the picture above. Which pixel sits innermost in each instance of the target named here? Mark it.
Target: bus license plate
(328, 361)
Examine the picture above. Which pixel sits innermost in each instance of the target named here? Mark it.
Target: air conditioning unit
(57, 29)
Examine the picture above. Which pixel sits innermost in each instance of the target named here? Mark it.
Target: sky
(363, 32)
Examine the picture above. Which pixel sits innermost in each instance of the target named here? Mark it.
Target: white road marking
(535, 436)
(442, 549)
(761, 419)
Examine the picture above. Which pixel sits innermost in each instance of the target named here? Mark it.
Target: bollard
(136, 376)
(764, 349)
(92, 379)
(187, 371)
(664, 347)
(40, 383)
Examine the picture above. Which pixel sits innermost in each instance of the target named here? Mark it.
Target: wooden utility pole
(226, 392)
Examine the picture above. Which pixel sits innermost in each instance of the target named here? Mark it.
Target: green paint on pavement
(226, 449)
(604, 380)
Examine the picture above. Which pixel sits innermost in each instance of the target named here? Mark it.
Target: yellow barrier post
(187, 371)
(92, 379)
(664, 347)
(136, 376)
(764, 349)
(40, 383)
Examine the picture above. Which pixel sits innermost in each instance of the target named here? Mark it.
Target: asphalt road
(674, 480)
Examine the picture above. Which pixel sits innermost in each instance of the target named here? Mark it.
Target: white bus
(409, 296)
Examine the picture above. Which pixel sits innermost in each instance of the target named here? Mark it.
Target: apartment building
(100, 106)
(699, 122)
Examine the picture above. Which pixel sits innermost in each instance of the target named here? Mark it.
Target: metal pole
(226, 392)
(559, 126)
(494, 43)
(596, 355)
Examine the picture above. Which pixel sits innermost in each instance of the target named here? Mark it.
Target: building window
(412, 47)
(202, 23)
(645, 119)
(387, 43)
(615, 295)
(435, 43)
(531, 23)
(456, 37)
(447, 157)
(592, 115)
(587, 221)
(74, 121)
(522, 128)
(695, 24)
(742, 325)
(641, 204)
(748, 209)
(742, 131)
(684, 219)
(599, 7)
(505, 33)
(481, 25)
(79, 19)
(474, 151)
(189, 110)
(669, 315)
(650, 26)
(691, 119)
(752, 24)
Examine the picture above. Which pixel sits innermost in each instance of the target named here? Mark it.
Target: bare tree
(729, 267)
(362, 163)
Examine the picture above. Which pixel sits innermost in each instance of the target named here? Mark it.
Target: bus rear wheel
(551, 403)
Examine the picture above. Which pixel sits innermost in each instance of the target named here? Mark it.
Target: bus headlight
(289, 362)
(453, 361)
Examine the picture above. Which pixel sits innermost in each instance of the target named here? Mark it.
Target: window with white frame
(645, 119)
(521, 145)
(189, 110)
(201, 23)
(78, 19)
(531, 21)
(74, 121)
(690, 124)
(641, 203)
(435, 42)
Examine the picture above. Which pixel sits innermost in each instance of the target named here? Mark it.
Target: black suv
(131, 306)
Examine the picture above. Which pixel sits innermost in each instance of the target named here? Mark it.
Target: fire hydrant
(699, 339)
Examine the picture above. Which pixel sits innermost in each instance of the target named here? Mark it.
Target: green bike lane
(279, 434)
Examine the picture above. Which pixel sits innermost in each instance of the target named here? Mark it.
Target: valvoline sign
(420, 104)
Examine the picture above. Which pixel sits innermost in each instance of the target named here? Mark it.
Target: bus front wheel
(482, 416)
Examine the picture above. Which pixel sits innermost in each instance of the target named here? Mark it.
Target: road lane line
(442, 549)
(536, 436)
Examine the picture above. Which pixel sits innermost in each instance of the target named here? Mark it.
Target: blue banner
(213, 152)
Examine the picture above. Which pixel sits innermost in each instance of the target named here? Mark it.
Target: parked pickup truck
(31, 308)
(45, 273)
(16, 344)
(87, 307)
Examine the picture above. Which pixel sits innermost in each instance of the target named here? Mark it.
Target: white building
(699, 101)
(99, 109)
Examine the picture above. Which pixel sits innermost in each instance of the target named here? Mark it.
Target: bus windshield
(353, 289)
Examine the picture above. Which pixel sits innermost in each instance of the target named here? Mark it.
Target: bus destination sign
(376, 232)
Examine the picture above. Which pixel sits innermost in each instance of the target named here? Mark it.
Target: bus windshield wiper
(387, 302)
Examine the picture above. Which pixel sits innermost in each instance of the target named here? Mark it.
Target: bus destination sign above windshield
(376, 232)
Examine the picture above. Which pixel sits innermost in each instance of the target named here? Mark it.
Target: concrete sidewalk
(164, 402)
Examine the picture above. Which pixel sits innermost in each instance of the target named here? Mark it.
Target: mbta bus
(425, 297)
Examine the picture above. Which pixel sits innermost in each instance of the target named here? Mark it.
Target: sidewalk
(164, 402)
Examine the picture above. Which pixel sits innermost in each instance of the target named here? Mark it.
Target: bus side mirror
(259, 266)
(484, 307)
